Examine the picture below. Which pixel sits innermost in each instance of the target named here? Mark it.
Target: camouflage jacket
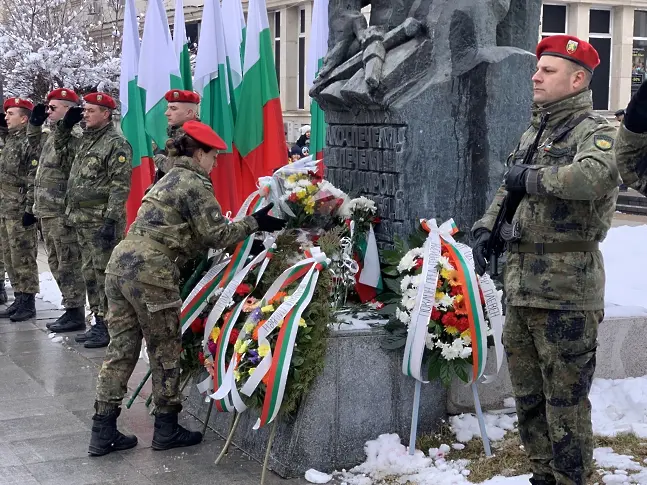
(99, 180)
(18, 164)
(570, 198)
(53, 171)
(630, 148)
(181, 213)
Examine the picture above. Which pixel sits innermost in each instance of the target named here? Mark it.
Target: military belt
(172, 255)
(89, 203)
(560, 247)
(19, 189)
(50, 184)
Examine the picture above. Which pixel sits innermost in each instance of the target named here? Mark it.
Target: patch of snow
(57, 339)
(607, 458)
(518, 480)
(466, 426)
(314, 476)
(458, 446)
(619, 406)
(509, 402)
(49, 290)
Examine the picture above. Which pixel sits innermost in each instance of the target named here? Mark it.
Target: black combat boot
(168, 434)
(85, 336)
(100, 337)
(11, 309)
(106, 438)
(3, 294)
(72, 320)
(26, 309)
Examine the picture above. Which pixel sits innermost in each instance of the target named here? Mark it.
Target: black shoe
(3, 295)
(106, 438)
(100, 337)
(26, 309)
(83, 337)
(6, 313)
(168, 434)
(72, 320)
(62, 319)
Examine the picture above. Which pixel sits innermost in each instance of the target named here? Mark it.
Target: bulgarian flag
(181, 46)
(158, 71)
(259, 135)
(235, 31)
(215, 109)
(318, 50)
(131, 98)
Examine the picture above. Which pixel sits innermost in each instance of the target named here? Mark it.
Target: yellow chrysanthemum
(452, 330)
(311, 189)
(445, 273)
(251, 371)
(236, 375)
(263, 350)
(302, 323)
(237, 346)
(439, 295)
(467, 336)
(243, 347)
(309, 210)
(458, 298)
(248, 327)
(302, 194)
(268, 309)
(293, 178)
(214, 333)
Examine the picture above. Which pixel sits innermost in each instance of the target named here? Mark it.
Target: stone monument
(425, 102)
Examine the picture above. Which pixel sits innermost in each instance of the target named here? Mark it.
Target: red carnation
(234, 336)
(456, 290)
(462, 324)
(376, 220)
(450, 320)
(293, 197)
(201, 357)
(436, 316)
(418, 263)
(243, 289)
(198, 325)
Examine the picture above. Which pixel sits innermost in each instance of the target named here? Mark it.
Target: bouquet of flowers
(311, 202)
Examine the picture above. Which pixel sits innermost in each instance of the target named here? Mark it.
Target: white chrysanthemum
(444, 263)
(408, 260)
(363, 204)
(408, 303)
(405, 283)
(404, 317)
(466, 352)
(416, 281)
(411, 293)
(445, 302)
(304, 183)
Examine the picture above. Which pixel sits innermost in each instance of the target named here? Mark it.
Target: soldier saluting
(564, 197)
(97, 191)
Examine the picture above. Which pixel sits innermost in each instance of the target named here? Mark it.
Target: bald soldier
(564, 177)
(183, 106)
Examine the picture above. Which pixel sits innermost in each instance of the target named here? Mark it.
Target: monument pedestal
(361, 394)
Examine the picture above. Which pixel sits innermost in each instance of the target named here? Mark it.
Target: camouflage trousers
(95, 259)
(551, 358)
(64, 259)
(19, 250)
(137, 310)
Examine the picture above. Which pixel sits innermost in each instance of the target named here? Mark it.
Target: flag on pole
(131, 98)
(232, 10)
(318, 50)
(158, 70)
(259, 135)
(182, 46)
(211, 81)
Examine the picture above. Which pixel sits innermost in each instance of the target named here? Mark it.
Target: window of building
(553, 20)
(600, 22)
(277, 47)
(639, 50)
(301, 99)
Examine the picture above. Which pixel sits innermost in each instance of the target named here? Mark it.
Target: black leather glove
(38, 115)
(515, 179)
(108, 233)
(3, 120)
(28, 219)
(481, 239)
(636, 114)
(266, 222)
(73, 116)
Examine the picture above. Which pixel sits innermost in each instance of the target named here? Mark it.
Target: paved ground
(46, 397)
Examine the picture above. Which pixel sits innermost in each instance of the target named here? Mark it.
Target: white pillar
(577, 20)
(289, 56)
(621, 51)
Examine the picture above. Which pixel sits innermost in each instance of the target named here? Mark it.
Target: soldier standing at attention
(18, 164)
(179, 218)
(554, 275)
(183, 106)
(63, 251)
(97, 191)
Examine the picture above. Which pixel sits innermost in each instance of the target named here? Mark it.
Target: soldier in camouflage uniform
(3, 293)
(97, 191)
(63, 251)
(178, 219)
(631, 142)
(554, 275)
(18, 164)
(182, 107)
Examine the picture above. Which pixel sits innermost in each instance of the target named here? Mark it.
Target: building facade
(617, 29)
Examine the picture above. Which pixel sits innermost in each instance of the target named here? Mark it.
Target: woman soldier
(178, 219)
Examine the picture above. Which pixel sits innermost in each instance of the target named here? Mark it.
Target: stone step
(631, 209)
(631, 199)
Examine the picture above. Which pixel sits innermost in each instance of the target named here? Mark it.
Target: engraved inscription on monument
(367, 160)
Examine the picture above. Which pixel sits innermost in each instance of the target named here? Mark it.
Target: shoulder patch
(34, 163)
(121, 158)
(603, 142)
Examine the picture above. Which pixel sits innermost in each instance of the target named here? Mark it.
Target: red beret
(100, 99)
(179, 96)
(63, 94)
(569, 47)
(204, 134)
(18, 103)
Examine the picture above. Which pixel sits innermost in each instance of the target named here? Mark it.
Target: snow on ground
(625, 262)
(619, 406)
(49, 291)
(466, 426)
